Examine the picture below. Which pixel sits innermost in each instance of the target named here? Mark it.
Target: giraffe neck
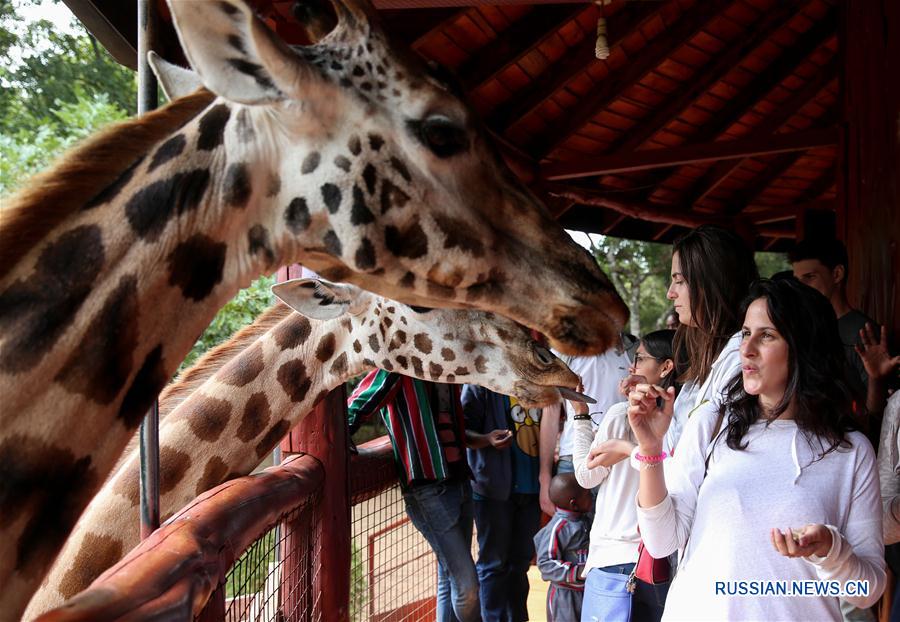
(222, 430)
(97, 316)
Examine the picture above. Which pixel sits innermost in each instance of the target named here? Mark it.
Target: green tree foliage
(640, 271)
(239, 312)
(56, 87)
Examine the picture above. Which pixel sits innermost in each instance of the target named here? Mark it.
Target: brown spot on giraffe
(97, 553)
(214, 473)
(272, 437)
(435, 370)
(447, 354)
(292, 332)
(50, 485)
(207, 416)
(257, 413)
(461, 371)
(35, 311)
(423, 343)
(339, 367)
(244, 368)
(173, 465)
(325, 349)
(196, 266)
(238, 186)
(294, 380)
(147, 383)
(457, 234)
(481, 364)
(418, 369)
(100, 365)
(310, 162)
(410, 242)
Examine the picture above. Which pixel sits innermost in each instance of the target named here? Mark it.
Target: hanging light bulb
(601, 50)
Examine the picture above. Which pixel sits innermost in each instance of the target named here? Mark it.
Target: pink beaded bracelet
(651, 459)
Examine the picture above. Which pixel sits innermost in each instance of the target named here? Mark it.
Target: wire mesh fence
(274, 579)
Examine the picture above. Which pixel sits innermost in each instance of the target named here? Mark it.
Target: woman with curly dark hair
(773, 473)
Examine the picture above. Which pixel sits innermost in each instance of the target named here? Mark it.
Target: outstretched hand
(500, 439)
(609, 453)
(810, 540)
(648, 421)
(874, 354)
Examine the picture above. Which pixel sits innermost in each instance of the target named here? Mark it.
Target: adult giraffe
(233, 406)
(344, 155)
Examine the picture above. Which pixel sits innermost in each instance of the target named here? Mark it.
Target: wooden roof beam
(647, 213)
(689, 23)
(706, 77)
(773, 75)
(710, 180)
(516, 42)
(619, 26)
(691, 154)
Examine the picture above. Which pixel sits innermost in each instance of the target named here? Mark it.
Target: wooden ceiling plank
(619, 26)
(713, 177)
(516, 42)
(688, 24)
(758, 87)
(705, 77)
(688, 154)
(615, 223)
(662, 231)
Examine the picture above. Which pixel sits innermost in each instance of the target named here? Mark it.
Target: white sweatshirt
(889, 469)
(614, 534)
(774, 482)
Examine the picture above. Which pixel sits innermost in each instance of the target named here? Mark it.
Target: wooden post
(869, 205)
(323, 434)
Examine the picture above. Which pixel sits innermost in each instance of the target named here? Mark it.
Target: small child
(562, 548)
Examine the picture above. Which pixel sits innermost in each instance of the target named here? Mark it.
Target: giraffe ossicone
(345, 156)
(235, 404)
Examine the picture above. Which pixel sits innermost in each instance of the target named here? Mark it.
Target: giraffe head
(370, 164)
(440, 345)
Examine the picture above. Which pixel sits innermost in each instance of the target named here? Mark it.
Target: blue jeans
(605, 596)
(443, 513)
(505, 547)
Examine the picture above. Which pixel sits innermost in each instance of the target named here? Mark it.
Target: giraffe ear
(314, 298)
(175, 81)
(236, 55)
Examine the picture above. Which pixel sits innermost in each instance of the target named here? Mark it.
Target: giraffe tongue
(575, 396)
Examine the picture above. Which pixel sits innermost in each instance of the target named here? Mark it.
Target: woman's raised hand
(648, 421)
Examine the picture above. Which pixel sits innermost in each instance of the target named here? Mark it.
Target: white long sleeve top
(614, 534)
(775, 482)
(889, 469)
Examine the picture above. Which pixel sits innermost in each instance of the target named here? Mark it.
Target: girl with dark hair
(614, 534)
(774, 472)
(712, 269)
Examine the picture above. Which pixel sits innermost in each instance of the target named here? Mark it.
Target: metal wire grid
(393, 572)
(273, 580)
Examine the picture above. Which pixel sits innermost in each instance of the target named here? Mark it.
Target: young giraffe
(344, 156)
(220, 421)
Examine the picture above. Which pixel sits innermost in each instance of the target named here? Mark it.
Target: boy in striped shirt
(427, 431)
(562, 547)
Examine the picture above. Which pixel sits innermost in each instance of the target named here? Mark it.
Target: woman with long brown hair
(712, 270)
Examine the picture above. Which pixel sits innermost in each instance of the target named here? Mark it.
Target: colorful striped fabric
(426, 440)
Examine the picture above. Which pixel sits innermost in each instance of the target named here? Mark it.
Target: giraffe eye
(441, 135)
(420, 309)
(544, 355)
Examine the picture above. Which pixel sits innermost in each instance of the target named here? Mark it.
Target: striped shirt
(423, 419)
